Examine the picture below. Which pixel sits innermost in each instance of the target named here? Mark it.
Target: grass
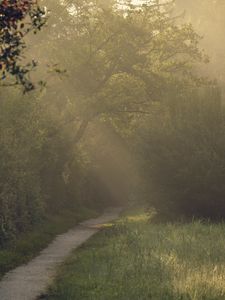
(31, 243)
(135, 259)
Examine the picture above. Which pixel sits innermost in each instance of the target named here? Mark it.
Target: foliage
(119, 60)
(17, 19)
(33, 162)
(21, 199)
(182, 148)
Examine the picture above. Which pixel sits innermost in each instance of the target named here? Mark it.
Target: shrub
(183, 149)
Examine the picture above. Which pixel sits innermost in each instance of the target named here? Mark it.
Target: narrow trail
(27, 282)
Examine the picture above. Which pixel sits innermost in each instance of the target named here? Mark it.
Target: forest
(114, 103)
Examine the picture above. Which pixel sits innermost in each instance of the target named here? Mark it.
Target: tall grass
(137, 260)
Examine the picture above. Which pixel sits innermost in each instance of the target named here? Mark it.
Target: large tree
(120, 57)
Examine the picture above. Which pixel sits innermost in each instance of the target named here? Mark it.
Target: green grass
(31, 243)
(136, 260)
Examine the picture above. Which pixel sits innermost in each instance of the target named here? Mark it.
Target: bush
(183, 149)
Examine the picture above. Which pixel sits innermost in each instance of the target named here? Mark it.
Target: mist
(113, 110)
(207, 17)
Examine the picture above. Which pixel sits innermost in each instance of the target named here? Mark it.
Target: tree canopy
(120, 58)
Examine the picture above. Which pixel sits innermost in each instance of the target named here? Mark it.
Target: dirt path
(29, 281)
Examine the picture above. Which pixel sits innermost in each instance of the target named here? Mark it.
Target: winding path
(29, 281)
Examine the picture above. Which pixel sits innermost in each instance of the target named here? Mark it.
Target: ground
(135, 259)
(28, 245)
(29, 281)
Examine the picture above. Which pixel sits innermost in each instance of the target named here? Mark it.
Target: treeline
(182, 147)
(107, 71)
(34, 177)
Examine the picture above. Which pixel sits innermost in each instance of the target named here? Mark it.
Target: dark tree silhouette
(17, 19)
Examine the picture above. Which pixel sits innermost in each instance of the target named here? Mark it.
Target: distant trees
(207, 18)
(182, 153)
(181, 144)
(17, 19)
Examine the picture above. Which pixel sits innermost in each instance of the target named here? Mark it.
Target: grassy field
(135, 259)
(31, 243)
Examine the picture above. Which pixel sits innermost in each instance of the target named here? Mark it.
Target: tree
(17, 19)
(120, 57)
(207, 18)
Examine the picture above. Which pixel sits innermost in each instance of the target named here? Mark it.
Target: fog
(104, 106)
(208, 20)
(109, 107)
